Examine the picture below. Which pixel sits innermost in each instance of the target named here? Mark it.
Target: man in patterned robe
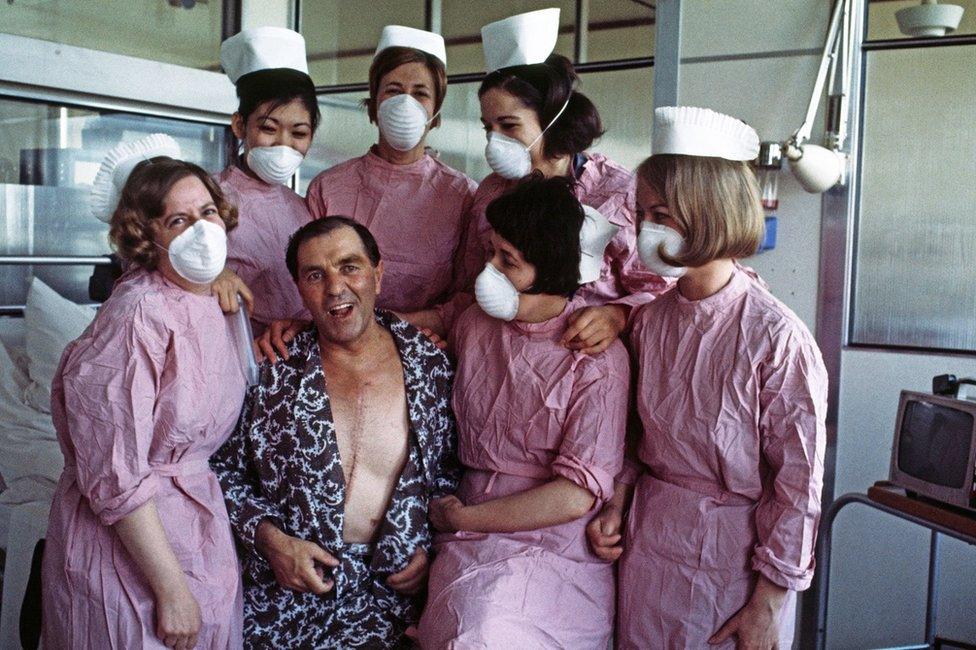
(338, 451)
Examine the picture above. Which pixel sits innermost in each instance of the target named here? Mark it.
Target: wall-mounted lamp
(929, 19)
(818, 168)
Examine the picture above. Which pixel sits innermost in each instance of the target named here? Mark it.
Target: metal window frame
(838, 210)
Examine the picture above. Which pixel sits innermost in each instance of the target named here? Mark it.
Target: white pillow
(31, 460)
(52, 323)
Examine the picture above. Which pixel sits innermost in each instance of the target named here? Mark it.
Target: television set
(934, 450)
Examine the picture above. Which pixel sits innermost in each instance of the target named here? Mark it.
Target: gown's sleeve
(591, 453)
(792, 429)
(245, 267)
(314, 200)
(247, 507)
(467, 263)
(109, 399)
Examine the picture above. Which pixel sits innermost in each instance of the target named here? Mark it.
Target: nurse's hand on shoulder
(592, 329)
(226, 287)
(297, 563)
(277, 337)
(178, 618)
(434, 338)
(445, 513)
(757, 624)
(603, 532)
(413, 577)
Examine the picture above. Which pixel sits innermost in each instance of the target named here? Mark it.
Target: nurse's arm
(177, 611)
(757, 624)
(557, 502)
(425, 319)
(792, 430)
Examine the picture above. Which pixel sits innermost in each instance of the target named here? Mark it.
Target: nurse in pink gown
(139, 548)
(541, 434)
(274, 123)
(519, 102)
(732, 395)
(414, 204)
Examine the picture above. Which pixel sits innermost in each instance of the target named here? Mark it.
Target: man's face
(338, 284)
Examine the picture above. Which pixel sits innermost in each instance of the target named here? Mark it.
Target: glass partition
(182, 32)
(49, 155)
(915, 241)
(341, 36)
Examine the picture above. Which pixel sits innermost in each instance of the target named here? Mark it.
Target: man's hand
(277, 337)
(414, 576)
(592, 329)
(757, 624)
(226, 287)
(297, 564)
(445, 513)
(604, 535)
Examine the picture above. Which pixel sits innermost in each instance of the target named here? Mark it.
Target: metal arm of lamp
(819, 168)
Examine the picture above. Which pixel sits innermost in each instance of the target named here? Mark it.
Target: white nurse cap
(702, 132)
(262, 48)
(595, 234)
(520, 40)
(119, 163)
(418, 39)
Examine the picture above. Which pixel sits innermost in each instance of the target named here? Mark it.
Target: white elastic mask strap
(551, 122)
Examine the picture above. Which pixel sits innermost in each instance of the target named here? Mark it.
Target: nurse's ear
(238, 126)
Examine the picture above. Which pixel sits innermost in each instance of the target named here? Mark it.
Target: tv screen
(933, 444)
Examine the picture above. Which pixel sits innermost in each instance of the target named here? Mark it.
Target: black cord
(949, 384)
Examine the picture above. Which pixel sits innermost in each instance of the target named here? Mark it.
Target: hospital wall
(740, 57)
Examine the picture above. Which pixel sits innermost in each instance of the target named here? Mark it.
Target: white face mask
(198, 253)
(496, 294)
(508, 157)
(403, 121)
(274, 165)
(649, 240)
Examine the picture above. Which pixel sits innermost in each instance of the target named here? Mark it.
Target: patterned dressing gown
(282, 464)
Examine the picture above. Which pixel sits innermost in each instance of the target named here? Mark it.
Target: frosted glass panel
(915, 282)
(341, 35)
(183, 32)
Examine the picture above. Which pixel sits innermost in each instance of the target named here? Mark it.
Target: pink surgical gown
(606, 186)
(418, 215)
(140, 401)
(732, 394)
(267, 216)
(528, 411)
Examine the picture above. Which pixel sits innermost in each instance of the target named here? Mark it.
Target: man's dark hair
(324, 226)
(541, 217)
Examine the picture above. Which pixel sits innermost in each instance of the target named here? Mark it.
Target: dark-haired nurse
(541, 438)
(275, 121)
(537, 121)
(414, 204)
